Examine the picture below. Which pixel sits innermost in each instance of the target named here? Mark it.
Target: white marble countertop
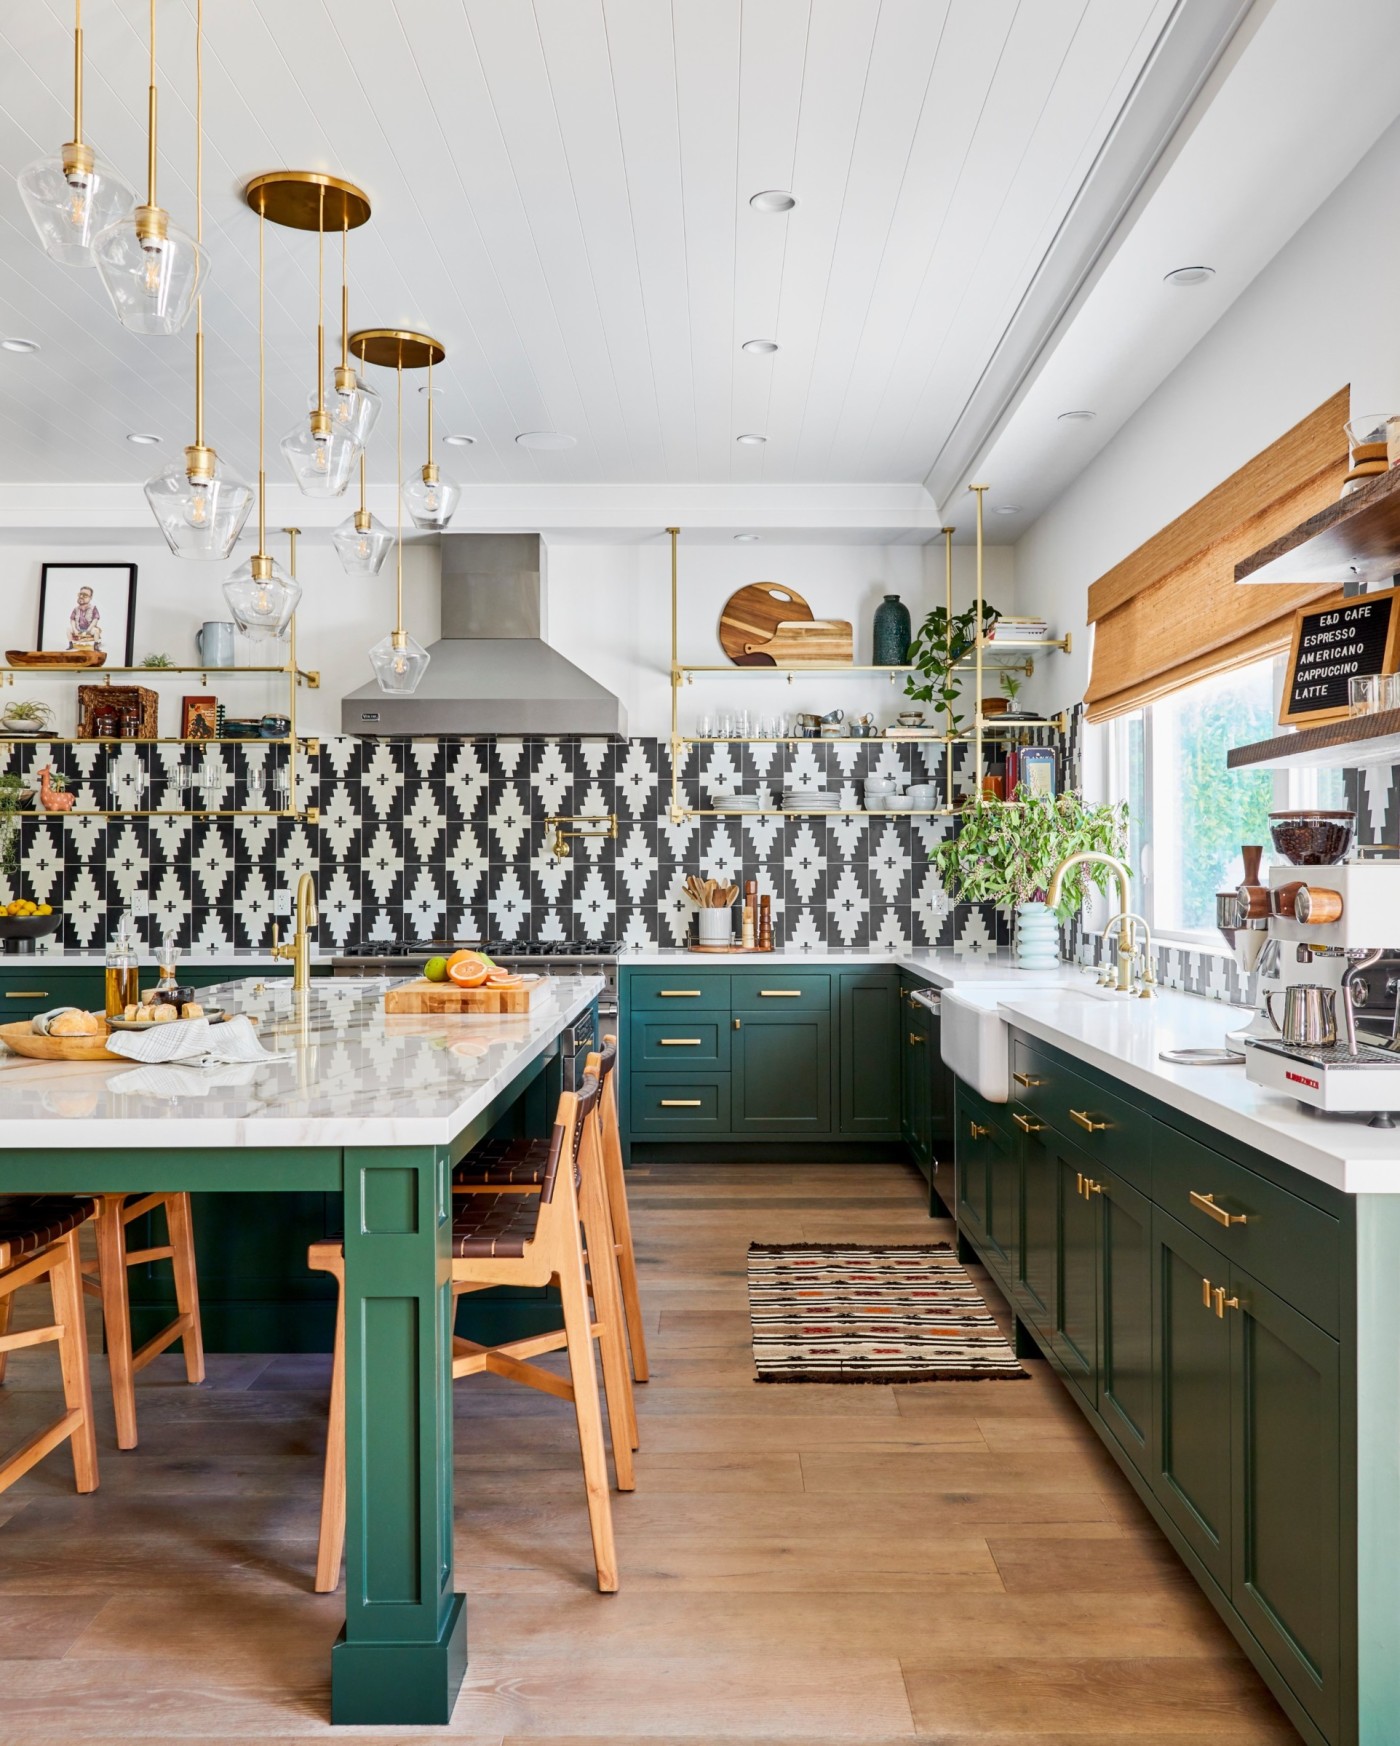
(95, 957)
(1124, 1038)
(357, 1077)
(938, 964)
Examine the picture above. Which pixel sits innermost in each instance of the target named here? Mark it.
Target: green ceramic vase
(892, 632)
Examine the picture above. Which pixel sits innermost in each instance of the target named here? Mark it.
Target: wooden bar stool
(615, 1180)
(39, 1240)
(518, 1235)
(114, 1213)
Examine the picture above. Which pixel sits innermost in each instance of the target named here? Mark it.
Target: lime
(436, 970)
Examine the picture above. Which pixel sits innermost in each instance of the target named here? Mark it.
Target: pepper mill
(750, 917)
(765, 924)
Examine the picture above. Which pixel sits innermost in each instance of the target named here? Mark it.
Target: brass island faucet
(298, 948)
(1125, 935)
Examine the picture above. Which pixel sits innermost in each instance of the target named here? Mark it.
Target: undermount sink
(975, 1039)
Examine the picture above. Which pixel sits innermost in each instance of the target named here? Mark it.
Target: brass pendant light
(71, 197)
(361, 542)
(429, 498)
(322, 450)
(153, 271)
(399, 660)
(199, 507)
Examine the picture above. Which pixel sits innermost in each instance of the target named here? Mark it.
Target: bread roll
(164, 1015)
(76, 1023)
(191, 1009)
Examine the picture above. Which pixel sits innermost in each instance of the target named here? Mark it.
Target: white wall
(607, 607)
(1307, 325)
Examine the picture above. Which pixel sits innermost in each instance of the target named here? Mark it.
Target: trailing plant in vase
(1006, 855)
(939, 644)
(15, 796)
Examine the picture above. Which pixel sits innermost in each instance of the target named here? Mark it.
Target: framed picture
(89, 606)
(199, 718)
(1336, 640)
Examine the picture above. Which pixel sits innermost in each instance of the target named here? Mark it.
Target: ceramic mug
(215, 644)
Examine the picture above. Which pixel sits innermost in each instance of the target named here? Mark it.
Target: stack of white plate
(737, 802)
(810, 800)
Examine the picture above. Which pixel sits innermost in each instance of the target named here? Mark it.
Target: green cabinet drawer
(684, 989)
(35, 987)
(780, 990)
(667, 1045)
(1287, 1243)
(1107, 1128)
(678, 1106)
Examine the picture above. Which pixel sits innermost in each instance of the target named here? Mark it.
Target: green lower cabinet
(1075, 1330)
(1002, 1196)
(1037, 1263)
(916, 1081)
(1286, 1530)
(868, 1010)
(781, 1078)
(1125, 1314)
(973, 1131)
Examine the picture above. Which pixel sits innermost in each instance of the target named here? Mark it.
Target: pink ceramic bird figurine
(51, 798)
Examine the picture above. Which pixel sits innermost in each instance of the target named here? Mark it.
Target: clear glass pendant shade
(71, 203)
(362, 550)
(321, 463)
(353, 409)
(200, 517)
(430, 502)
(153, 273)
(262, 598)
(399, 663)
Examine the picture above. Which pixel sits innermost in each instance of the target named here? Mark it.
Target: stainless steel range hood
(492, 672)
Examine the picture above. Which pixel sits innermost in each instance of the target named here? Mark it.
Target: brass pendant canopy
(396, 348)
(308, 200)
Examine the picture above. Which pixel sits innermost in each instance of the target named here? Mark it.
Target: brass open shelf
(311, 815)
(117, 744)
(97, 675)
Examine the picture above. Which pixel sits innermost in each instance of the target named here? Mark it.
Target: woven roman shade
(1172, 613)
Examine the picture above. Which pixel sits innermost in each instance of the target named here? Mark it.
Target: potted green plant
(938, 645)
(26, 715)
(1011, 682)
(15, 797)
(1006, 855)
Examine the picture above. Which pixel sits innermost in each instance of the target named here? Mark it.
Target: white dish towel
(194, 1042)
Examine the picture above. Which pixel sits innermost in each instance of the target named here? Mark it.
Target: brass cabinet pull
(1206, 1203)
(679, 1042)
(1086, 1121)
(780, 994)
(1026, 1125)
(680, 1103)
(1205, 1292)
(738, 1024)
(1091, 1188)
(1028, 1080)
(1079, 1182)
(679, 993)
(914, 1037)
(27, 994)
(977, 1131)
(1222, 1303)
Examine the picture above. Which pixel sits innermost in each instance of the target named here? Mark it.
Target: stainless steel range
(544, 957)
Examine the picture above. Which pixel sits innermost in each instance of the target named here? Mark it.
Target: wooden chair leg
(607, 1299)
(327, 1258)
(588, 1412)
(116, 1314)
(66, 1283)
(179, 1222)
(4, 1329)
(615, 1178)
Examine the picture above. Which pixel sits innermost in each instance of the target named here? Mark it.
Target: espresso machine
(1326, 1032)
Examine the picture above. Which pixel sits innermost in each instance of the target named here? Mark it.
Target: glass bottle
(169, 991)
(123, 971)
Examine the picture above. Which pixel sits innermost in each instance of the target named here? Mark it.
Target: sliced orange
(468, 972)
(457, 958)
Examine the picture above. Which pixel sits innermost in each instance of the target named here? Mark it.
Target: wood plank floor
(952, 1562)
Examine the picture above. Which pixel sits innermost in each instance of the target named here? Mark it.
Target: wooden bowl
(55, 658)
(23, 1041)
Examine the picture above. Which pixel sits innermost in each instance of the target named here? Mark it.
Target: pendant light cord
(77, 72)
(345, 288)
(199, 221)
(398, 498)
(151, 142)
(321, 304)
(430, 408)
(262, 382)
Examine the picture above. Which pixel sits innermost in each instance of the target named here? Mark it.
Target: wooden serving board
(444, 998)
(819, 642)
(24, 1042)
(55, 658)
(752, 615)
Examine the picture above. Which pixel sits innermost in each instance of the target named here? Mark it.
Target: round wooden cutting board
(753, 614)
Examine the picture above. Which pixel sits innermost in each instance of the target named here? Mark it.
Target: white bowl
(894, 803)
(881, 785)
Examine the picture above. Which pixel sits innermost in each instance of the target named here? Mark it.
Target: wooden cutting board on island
(444, 999)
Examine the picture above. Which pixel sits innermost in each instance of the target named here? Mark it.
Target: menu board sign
(1335, 641)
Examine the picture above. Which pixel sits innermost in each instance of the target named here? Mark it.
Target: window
(1189, 813)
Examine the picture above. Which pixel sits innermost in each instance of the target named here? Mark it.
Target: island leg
(403, 1655)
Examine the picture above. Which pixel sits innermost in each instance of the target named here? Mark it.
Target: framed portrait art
(88, 606)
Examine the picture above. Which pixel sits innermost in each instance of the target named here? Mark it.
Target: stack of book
(1011, 629)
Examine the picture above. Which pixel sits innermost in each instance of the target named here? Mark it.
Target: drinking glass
(763, 728)
(724, 725)
(743, 725)
(782, 726)
(705, 725)
(1366, 693)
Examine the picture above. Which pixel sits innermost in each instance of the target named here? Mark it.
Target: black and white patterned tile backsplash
(448, 838)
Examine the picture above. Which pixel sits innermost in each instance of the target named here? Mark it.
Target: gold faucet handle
(281, 951)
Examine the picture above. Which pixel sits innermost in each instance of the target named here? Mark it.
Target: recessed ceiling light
(142, 438)
(459, 441)
(1189, 275)
(545, 439)
(19, 345)
(759, 346)
(1007, 509)
(750, 437)
(744, 539)
(772, 200)
(1081, 416)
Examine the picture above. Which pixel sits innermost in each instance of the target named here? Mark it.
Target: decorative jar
(1037, 937)
(892, 632)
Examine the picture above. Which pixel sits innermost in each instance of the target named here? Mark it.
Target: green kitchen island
(375, 1109)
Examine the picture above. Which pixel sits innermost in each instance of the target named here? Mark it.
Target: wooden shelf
(9, 674)
(1357, 742)
(1355, 539)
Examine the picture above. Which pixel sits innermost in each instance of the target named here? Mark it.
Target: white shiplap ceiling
(561, 194)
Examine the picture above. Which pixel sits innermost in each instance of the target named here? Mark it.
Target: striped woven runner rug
(871, 1312)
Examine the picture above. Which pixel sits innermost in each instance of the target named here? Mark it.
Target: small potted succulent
(26, 716)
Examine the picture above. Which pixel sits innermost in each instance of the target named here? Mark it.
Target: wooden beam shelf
(1355, 539)
(1357, 742)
